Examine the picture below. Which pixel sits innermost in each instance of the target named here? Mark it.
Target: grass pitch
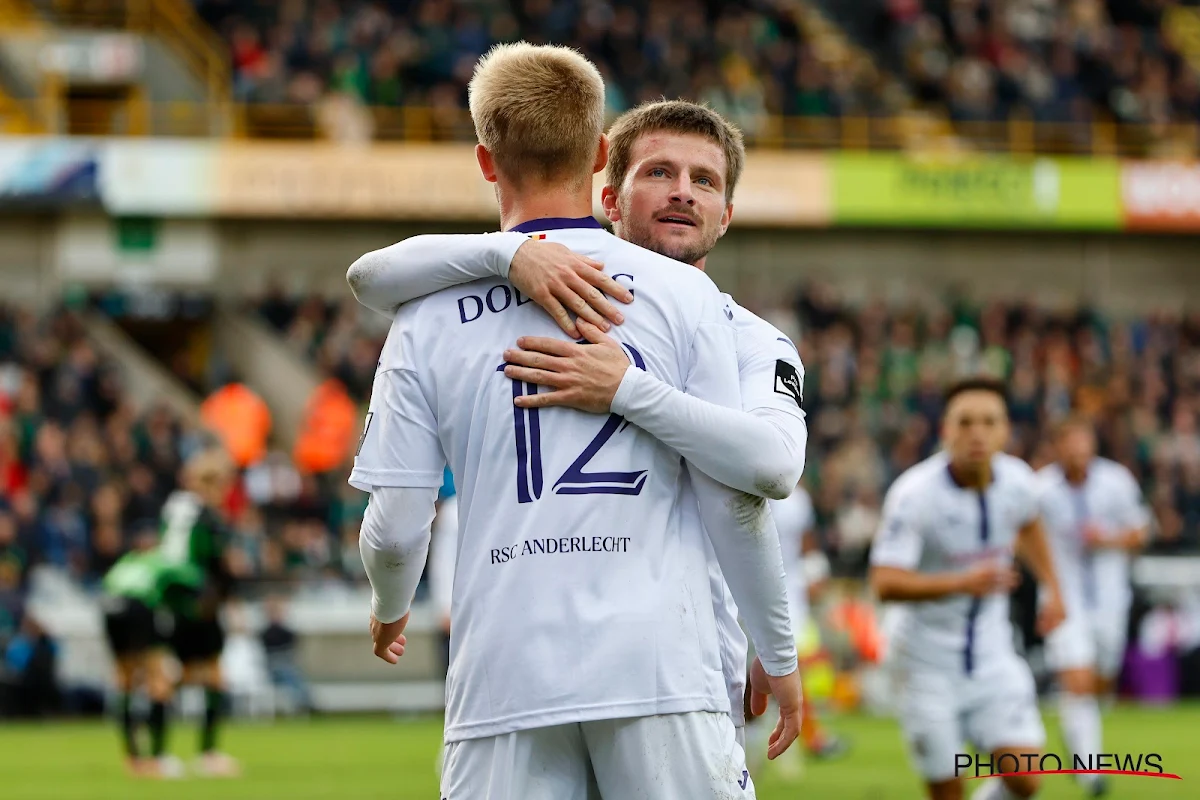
(366, 758)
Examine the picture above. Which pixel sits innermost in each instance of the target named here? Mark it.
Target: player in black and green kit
(193, 533)
(138, 588)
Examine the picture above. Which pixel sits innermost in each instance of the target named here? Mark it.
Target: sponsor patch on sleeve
(787, 380)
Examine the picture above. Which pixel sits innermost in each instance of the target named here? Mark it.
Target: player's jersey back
(579, 590)
(931, 524)
(191, 534)
(1108, 500)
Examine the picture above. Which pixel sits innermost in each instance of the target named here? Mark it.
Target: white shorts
(689, 756)
(994, 708)
(1088, 640)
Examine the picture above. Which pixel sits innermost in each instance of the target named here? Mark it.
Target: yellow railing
(134, 115)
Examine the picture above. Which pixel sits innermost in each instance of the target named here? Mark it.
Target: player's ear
(608, 199)
(726, 218)
(487, 164)
(601, 155)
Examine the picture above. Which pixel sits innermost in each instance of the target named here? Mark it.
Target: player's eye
(658, 172)
(705, 181)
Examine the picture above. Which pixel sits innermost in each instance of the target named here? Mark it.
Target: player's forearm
(384, 279)
(893, 584)
(1130, 540)
(394, 543)
(760, 452)
(1033, 549)
(746, 545)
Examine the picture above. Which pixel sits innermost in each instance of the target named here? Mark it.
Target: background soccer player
(137, 590)
(951, 526)
(193, 533)
(672, 172)
(613, 630)
(1093, 511)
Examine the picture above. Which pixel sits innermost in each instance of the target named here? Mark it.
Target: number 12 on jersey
(575, 479)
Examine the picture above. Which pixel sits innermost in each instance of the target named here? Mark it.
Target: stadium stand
(755, 60)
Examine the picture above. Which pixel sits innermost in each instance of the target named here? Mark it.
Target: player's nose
(681, 192)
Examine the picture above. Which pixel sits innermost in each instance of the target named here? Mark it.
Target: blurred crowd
(874, 379)
(743, 57)
(82, 473)
(985, 60)
(979, 60)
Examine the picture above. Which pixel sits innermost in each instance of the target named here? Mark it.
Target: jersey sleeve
(771, 373)
(399, 446)
(382, 280)
(739, 525)
(899, 541)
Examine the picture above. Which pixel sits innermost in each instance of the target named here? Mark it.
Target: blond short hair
(674, 116)
(208, 468)
(539, 110)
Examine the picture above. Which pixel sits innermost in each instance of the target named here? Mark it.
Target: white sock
(993, 789)
(1080, 719)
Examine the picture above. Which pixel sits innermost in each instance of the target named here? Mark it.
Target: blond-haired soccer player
(672, 170)
(584, 655)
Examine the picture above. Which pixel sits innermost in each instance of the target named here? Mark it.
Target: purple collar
(556, 223)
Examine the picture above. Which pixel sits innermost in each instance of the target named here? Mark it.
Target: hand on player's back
(581, 376)
(388, 638)
(560, 280)
(990, 577)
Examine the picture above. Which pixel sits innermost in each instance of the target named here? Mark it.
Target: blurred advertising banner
(984, 192)
(1161, 195)
(41, 173)
(389, 181)
(429, 181)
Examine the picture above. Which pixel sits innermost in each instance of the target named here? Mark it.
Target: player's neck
(700, 263)
(1076, 476)
(970, 476)
(532, 203)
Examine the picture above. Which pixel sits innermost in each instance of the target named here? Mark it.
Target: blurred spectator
(241, 420)
(283, 662)
(29, 670)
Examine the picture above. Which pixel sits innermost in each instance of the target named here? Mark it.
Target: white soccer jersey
(931, 524)
(1109, 500)
(770, 375)
(793, 518)
(579, 592)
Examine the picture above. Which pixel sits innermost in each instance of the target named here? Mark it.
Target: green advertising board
(980, 191)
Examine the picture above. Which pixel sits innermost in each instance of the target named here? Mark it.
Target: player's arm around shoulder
(384, 279)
